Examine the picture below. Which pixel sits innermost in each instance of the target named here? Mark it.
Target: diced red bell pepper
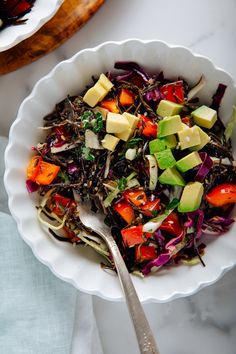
(145, 253)
(47, 173)
(222, 195)
(110, 105)
(136, 196)
(125, 210)
(133, 235)
(150, 207)
(126, 97)
(187, 120)
(70, 234)
(60, 204)
(172, 225)
(33, 168)
(173, 91)
(147, 126)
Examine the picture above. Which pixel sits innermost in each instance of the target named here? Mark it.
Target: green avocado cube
(165, 159)
(189, 137)
(172, 177)
(167, 108)
(186, 163)
(191, 197)
(170, 141)
(204, 116)
(156, 145)
(169, 125)
(204, 139)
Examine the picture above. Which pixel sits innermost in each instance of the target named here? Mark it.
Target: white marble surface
(206, 322)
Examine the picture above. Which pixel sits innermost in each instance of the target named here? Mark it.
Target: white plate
(41, 12)
(80, 266)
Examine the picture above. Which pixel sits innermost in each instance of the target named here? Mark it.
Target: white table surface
(205, 322)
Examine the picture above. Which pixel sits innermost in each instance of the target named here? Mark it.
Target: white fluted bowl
(79, 265)
(41, 12)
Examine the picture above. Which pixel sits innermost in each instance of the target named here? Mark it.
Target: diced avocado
(171, 176)
(95, 94)
(204, 117)
(169, 125)
(186, 163)
(165, 159)
(184, 126)
(157, 145)
(105, 82)
(116, 123)
(191, 197)
(204, 139)
(189, 137)
(125, 135)
(167, 108)
(170, 141)
(109, 142)
(132, 119)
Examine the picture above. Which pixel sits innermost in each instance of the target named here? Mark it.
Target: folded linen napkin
(39, 313)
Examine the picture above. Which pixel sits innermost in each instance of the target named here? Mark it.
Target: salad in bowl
(146, 152)
(146, 142)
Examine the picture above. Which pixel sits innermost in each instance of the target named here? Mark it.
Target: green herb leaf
(97, 127)
(86, 119)
(133, 142)
(87, 155)
(64, 177)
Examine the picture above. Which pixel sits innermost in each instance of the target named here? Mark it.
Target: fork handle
(146, 341)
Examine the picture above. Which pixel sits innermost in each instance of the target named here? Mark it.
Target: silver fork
(95, 222)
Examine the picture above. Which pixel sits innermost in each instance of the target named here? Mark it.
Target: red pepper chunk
(173, 91)
(147, 126)
(187, 120)
(60, 204)
(145, 253)
(125, 210)
(172, 225)
(150, 207)
(110, 105)
(126, 97)
(222, 195)
(70, 234)
(136, 197)
(133, 235)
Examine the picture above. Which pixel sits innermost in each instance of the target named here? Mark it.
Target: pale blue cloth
(37, 310)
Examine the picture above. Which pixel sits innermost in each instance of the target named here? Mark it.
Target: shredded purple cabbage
(171, 248)
(204, 168)
(72, 168)
(217, 225)
(31, 186)
(217, 97)
(196, 218)
(154, 95)
(131, 67)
